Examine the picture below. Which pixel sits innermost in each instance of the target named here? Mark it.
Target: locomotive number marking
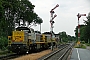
(17, 38)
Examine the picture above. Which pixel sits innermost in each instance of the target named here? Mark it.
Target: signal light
(53, 22)
(79, 15)
(57, 5)
(52, 11)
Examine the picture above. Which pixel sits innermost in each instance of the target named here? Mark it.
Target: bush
(87, 44)
(83, 42)
(83, 46)
(3, 42)
(80, 46)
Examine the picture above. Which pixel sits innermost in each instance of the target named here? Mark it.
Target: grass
(80, 46)
(87, 44)
(3, 52)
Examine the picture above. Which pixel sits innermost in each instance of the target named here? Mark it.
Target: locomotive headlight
(27, 52)
(19, 47)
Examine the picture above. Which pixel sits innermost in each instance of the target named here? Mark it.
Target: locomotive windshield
(23, 29)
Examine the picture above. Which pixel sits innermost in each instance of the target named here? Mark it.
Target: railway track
(9, 56)
(60, 54)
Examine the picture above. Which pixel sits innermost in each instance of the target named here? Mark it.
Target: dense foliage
(87, 30)
(82, 32)
(65, 37)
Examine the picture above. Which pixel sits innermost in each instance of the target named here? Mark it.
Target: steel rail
(53, 53)
(61, 57)
(65, 54)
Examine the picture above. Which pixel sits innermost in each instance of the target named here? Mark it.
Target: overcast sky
(67, 11)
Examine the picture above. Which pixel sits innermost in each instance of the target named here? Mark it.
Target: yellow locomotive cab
(18, 36)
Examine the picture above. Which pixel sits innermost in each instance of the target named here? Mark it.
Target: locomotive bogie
(18, 48)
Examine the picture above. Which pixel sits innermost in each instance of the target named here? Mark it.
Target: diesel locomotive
(24, 40)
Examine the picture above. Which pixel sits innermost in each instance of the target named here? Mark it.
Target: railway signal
(79, 15)
(52, 22)
(55, 7)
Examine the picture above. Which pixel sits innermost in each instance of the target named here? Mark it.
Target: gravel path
(33, 56)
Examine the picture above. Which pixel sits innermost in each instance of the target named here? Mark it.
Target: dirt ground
(33, 56)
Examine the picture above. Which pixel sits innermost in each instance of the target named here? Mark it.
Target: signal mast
(79, 15)
(52, 22)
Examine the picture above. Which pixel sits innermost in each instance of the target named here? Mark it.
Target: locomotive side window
(45, 38)
(23, 29)
(9, 37)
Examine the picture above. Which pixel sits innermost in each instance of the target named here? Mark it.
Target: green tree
(3, 42)
(1, 18)
(87, 30)
(63, 36)
(16, 10)
(82, 32)
(76, 32)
